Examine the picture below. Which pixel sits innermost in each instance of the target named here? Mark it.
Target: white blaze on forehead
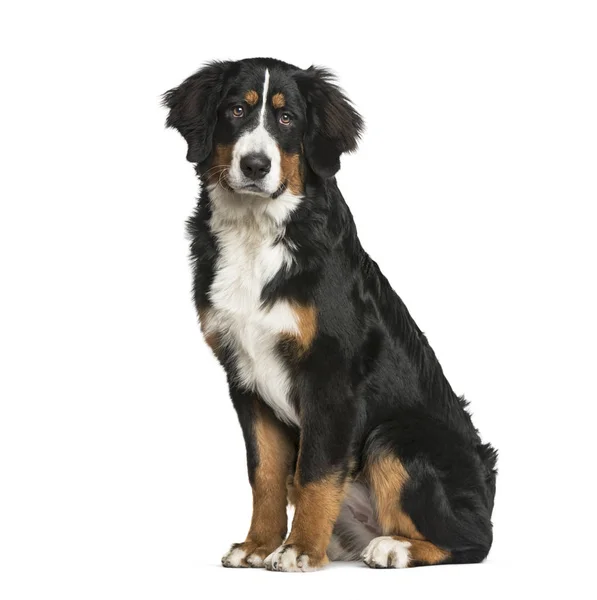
(264, 98)
(257, 141)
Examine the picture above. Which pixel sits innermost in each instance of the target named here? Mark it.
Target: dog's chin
(250, 189)
(254, 190)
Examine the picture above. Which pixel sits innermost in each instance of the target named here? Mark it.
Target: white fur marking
(264, 98)
(385, 549)
(247, 230)
(233, 557)
(255, 560)
(286, 559)
(256, 141)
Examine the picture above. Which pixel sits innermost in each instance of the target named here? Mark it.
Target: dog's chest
(248, 258)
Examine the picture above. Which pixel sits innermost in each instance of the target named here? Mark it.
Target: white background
(122, 463)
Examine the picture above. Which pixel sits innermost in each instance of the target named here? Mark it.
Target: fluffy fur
(336, 388)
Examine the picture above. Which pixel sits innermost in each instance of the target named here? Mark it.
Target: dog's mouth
(253, 188)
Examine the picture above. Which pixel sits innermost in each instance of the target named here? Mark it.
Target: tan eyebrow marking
(252, 97)
(278, 100)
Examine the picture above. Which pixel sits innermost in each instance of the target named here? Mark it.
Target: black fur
(193, 107)
(370, 382)
(334, 126)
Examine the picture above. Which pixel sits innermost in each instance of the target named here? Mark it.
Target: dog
(343, 405)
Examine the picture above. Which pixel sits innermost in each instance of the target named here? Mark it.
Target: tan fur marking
(251, 97)
(278, 100)
(424, 552)
(306, 317)
(275, 453)
(221, 162)
(387, 476)
(291, 172)
(317, 508)
(212, 338)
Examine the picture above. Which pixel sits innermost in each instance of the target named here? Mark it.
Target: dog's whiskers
(214, 168)
(222, 174)
(215, 171)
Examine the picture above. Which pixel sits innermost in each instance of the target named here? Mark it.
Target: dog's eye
(285, 118)
(238, 111)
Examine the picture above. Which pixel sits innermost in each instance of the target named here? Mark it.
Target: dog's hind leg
(430, 496)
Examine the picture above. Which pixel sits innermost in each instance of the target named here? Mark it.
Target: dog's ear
(333, 125)
(193, 108)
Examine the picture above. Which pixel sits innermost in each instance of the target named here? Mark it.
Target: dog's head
(256, 125)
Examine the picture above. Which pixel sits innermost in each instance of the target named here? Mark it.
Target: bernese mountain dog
(344, 408)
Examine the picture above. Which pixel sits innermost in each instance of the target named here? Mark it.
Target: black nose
(255, 166)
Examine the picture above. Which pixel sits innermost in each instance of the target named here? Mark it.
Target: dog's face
(260, 126)
(258, 134)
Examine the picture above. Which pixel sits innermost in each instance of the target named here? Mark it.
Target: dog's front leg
(327, 423)
(270, 457)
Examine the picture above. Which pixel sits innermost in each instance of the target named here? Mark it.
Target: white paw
(386, 553)
(234, 557)
(244, 555)
(254, 560)
(286, 558)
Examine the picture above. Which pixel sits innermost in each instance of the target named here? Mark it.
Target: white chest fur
(248, 258)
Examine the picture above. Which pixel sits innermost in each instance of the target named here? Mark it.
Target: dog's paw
(245, 555)
(290, 558)
(386, 553)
